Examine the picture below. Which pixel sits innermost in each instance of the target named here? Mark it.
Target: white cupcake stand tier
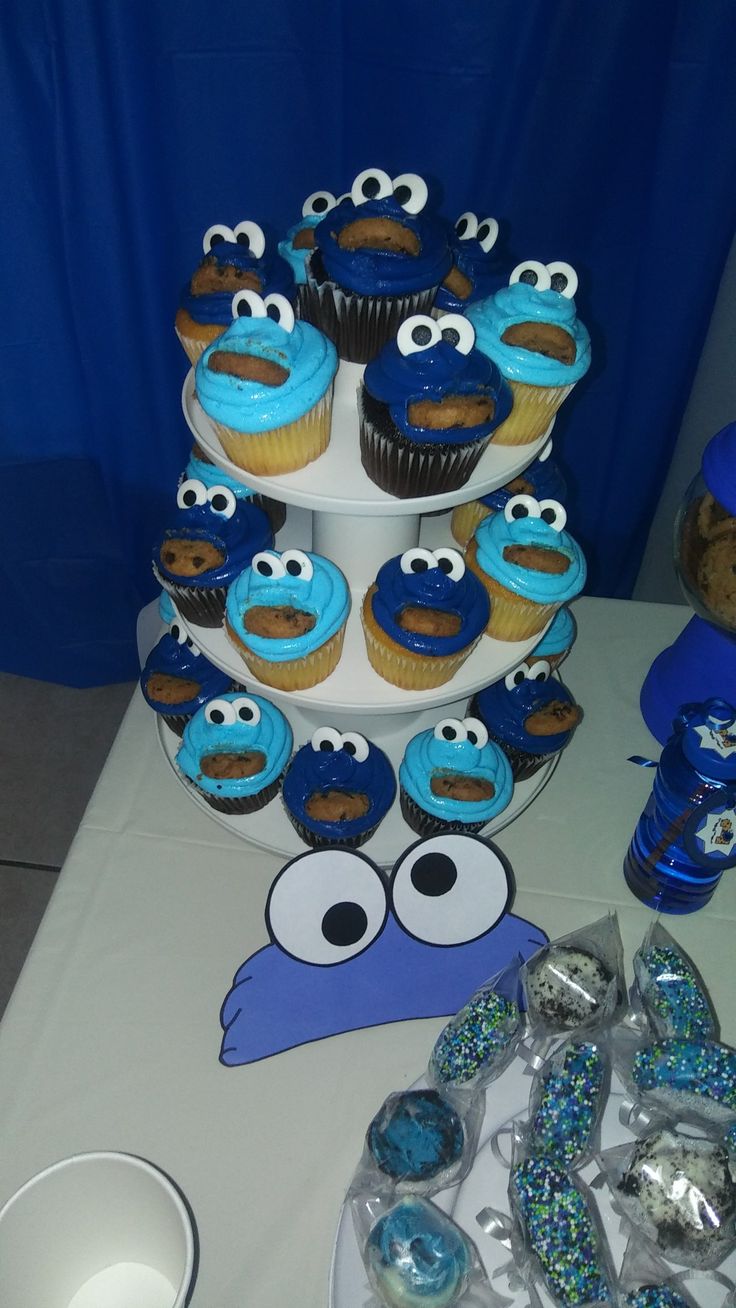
(337, 511)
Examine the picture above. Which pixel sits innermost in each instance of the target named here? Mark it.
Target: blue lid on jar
(719, 467)
(709, 738)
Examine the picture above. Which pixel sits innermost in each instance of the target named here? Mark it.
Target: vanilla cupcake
(557, 640)
(542, 479)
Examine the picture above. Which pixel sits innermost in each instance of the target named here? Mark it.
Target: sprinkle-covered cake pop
(452, 778)
(337, 788)
(562, 1233)
(566, 1103)
(234, 752)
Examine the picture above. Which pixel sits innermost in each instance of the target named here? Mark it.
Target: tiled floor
(53, 742)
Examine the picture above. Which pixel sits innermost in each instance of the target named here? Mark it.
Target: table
(111, 1038)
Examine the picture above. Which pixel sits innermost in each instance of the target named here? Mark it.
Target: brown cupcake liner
(176, 722)
(243, 803)
(426, 824)
(465, 518)
(405, 469)
(533, 410)
(293, 674)
(283, 449)
(202, 605)
(359, 325)
(513, 617)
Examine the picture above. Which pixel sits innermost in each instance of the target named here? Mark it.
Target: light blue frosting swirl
(559, 636)
(325, 595)
(166, 610)
(523, 303)
(297, 258)
(494, 534)
(426, 755)
(211, 475)
(250, 406)
(272, 735)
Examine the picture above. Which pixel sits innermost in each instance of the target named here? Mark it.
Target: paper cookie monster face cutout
(351, 950)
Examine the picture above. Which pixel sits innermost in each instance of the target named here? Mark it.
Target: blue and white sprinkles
(688, 1076)
(655, 1296)
(566, 1103)
(478, 1042)
(561, 1231)
(673, 997)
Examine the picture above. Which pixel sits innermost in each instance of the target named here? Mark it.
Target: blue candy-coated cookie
(477, 1042)
(672, 994)
(344, 762)
(418, 1258)
(681, 1069)
(415, 1136)
(232, 724)
(561, 1232)
(566, 1103)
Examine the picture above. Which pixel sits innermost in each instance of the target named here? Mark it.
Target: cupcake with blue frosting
(205, 544)
(286, 616)
(531, 717)
(422, 617)
(177, 679)
(234, 752)
(532, 333)
(235, 259)
(338, 788)
(380, 256)
(428, 406)
(266, 384)
(478, 270)
(529, 565)
(557, 640)
(542, 479)
(200, 468)
(299, 243)
(453, 778)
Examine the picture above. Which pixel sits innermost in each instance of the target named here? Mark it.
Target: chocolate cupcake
(531, 717)
(177, 679)
(338, 788)
(452, 778)
(234, 752)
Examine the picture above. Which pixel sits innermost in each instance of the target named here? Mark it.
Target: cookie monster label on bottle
(710, 834)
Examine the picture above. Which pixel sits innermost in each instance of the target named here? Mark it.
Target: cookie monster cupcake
(338, 788)
(267, 386)
(235, 259)
(234, 752)
(531, 331)
(422, 617)
(531, 717)
(556, 642)
(428, 406)
(453, 778)
(529, 565)
(298, 243)
(286, 616)
(380, 256)
(477, 269)
(200, 468)
(204, 546)
(177, 679)
(542, 479)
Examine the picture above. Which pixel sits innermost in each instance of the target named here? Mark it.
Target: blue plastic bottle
(686, 837)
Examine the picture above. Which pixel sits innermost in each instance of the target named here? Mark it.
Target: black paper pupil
(529, 276)
(421, 335)
(294, 568)
(371, 186)
(243, 239)
(344, 924)
(558, 281)
(402, 194)
(433, 874)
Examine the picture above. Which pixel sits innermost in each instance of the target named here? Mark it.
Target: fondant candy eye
(246, 710)
(178, 633)
(191, 493)
(267, 564)
(251, 236)
(279, 309)
(477, 734)
(449, 889)
(450, 562)
(327, 906)
(222, 501)
(215, 235)
(297, 564)
(552, 512)
(450, 729)
(539, 671)
(487, 234)
(371, 184)
(326, 739)
(247, 304)
(466, 226)
(417, 333)
(410, 191)
(355, 744)
(319, 202)
(457, 331)
(563, 278)
(532, 273)
(543, 457)
(521, 506)
(220, 713)
(517, 677)
(417, 560)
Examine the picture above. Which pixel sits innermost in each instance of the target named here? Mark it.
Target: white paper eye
(552, 512)
(451, 562)
(532, 274)
(246, 710)
(487, 234)
(280, 311)
(539, 671)
(267, 564)
(521, 506)
(248, 304)
(371, 184)
(417, 333)
(449, 889)
(327, 906)
(457, 331)
(191, 492)
(466, 226)
(220, 713)
(563, 278)
(215, 235)
(410, 191)
(450, 729)
(477, 733)
(517, 677)
(222, 501)
(417, 560)
(356, 745)
(298, 564)
(325, 740)
(251, 237)
(178, 633)
(543, 457)
(318, 203)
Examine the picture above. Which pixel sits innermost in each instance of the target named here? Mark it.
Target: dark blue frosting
(240, 536)
(274, 272)
(487, 270)
(433, 589)
(175, 660)
(545, 478)
(384, 272)
(315, 770)
(505, 711)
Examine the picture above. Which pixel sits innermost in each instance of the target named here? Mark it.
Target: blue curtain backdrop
(603, 134)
